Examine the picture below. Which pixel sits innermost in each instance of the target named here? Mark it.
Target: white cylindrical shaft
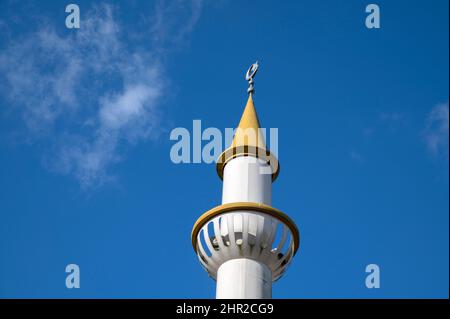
(247, 179)
(244, 279)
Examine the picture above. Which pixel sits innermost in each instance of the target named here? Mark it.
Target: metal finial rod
(251, 72)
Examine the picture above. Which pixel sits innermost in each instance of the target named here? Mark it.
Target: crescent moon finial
(251, 72)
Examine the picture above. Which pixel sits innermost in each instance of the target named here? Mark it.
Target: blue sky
(85, 118)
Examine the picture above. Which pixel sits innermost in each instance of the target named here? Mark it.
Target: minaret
(245, 244)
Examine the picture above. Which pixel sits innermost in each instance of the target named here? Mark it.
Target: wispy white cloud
(436, 131)
(166, 31)
(90, 94)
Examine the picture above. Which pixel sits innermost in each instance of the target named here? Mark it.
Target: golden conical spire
(248, 132)
(248, 139)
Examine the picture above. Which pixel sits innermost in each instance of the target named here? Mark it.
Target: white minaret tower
(245, 244)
